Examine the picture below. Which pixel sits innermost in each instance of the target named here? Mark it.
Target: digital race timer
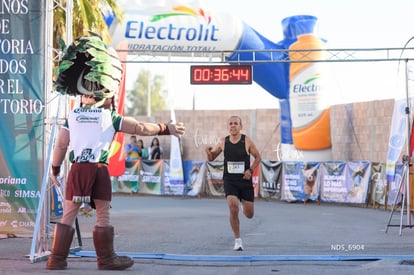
(221, 74)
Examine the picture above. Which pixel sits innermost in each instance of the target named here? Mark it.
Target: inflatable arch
(168, 27)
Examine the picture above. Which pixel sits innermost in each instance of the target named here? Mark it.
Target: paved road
(174, 235)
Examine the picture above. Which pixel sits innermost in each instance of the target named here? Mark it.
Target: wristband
(163, 129)
(55, 170)
(251, 171)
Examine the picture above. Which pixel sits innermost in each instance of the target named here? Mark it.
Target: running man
(237, 176)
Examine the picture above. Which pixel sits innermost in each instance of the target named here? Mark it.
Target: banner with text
(270, 179)
(22, 50)
(173, 185)
(345, 182)
(300, 181)
(150, 177)
(128, 182)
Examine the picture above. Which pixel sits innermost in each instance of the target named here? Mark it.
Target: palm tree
(88, 18)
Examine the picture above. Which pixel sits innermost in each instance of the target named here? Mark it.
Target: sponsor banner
(22, 101)
(194, 175)
(270, 179)
(300, 181)
(396, 186)
(398, 134)
(215, 184)
(176, 176)
(172, 186)
(378, 188)
(311, 183)
(57, 201)
(150, 177)
(175, 26)
(333, 181)
(358, 176)
(292, 181)
(128, 182)
(345, 182)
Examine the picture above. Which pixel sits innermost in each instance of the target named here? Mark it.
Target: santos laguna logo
(176, 28)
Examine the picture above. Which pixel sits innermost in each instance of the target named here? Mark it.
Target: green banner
(21, 112)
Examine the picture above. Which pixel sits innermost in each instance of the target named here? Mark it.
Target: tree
(87, 16)
(137, 98)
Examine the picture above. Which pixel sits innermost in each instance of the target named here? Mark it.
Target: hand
(177, 129)
(247, 174)
(55, 180)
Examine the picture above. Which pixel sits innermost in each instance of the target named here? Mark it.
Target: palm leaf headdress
(89, 67)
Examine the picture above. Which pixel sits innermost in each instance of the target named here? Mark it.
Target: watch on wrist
(251, 170)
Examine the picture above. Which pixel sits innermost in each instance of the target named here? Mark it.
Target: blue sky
(344, 24)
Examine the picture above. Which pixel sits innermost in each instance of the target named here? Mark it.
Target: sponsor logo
(5, 207)
(27, 194)
(181, 10)
(87, 119)
(4, 193)
(17, 223)
(12, 181)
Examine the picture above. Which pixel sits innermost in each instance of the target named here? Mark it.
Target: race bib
(235, 167)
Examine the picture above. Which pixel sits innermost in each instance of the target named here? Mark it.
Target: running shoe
(238, 246)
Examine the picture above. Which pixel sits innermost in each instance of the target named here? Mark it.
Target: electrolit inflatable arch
(180, 29)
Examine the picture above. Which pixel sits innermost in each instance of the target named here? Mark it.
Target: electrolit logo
(181, 11)
(200, 32)
(309, 86)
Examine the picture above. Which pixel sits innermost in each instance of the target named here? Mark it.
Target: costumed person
(237, 175)
(93, 70)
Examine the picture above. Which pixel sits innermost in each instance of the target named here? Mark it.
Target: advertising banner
(270, 179)
(128, 182)
(292, 181)
(215, 184)
(194, 175)
(358, 176)
(345, 182)
(378, 188)
(333, 181)
(396, 187)
(300, 181)
(22, 103)
(150, 177)
(172, 184)
(175, 26)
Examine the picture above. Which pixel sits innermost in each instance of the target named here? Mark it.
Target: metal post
(407, 178)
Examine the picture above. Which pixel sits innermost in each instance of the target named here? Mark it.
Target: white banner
(175, 26)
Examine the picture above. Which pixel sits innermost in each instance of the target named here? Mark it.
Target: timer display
(221, 74)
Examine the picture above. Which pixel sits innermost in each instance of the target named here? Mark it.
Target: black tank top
(236, 159)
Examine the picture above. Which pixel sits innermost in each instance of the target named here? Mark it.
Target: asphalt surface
(175, 235)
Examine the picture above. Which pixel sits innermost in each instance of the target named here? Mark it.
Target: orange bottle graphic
(309, 108)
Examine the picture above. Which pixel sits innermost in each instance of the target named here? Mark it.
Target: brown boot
(103, 239)
(62, 238)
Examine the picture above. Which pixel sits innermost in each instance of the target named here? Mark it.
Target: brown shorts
(89, 180)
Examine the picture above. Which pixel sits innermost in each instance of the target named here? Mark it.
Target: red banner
(117, 157)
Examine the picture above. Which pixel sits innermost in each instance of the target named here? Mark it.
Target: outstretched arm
(134, 127)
